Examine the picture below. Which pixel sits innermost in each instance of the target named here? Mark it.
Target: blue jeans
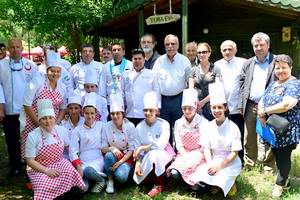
(121, 173)
(90, 173)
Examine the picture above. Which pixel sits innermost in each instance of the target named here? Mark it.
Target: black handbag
(278, 124)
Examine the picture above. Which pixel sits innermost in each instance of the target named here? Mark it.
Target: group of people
(158, 116)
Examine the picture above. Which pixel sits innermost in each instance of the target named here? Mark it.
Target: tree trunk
(95, 43)
(75, 37)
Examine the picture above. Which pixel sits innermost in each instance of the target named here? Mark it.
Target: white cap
(116, 103)
(190, 97)
(217, 93)
(90, 100)
(45, 108)
(74, 97)
(151, 100)
(91, 77)
(53, 59)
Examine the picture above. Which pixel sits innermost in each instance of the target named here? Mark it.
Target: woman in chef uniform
(221, 146)
(85, 146)
(153, 152)
(50, 174)
(43, 87)
(188, 133)
(118, 143)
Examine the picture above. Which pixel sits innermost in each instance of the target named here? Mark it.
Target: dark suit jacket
(247, 77)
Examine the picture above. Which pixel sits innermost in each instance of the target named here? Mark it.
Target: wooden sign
(286, 34)
(162, 19)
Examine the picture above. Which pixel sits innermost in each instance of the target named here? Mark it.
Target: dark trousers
(11, 128)
(283, 162)
(135, 121)
(238, 119)
(171, 111)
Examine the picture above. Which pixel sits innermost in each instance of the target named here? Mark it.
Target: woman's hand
(261, 116)
(138, 169)
(52, 172)
(136, 154)
(116, 152)
(214, 169)
(116, 165)
(80, 170)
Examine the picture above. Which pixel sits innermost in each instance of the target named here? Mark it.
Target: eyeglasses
(228, 49)
(171, 43)
(202, 52)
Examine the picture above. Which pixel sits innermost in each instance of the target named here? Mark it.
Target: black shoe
(13, 173)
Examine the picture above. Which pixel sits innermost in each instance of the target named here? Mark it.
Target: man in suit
(257, 73)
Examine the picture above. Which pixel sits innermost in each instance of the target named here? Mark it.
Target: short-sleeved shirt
(274, 94)
(36, 139)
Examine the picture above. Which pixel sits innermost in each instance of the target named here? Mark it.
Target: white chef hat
(151, 100)
(91, 77)
(190, 97)
(116, 103)
(90, 100)
(217, 93)
(45, 108)
(53, 59)
(74, 97)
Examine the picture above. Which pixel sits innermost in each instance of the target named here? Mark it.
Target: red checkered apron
(45, 187)
(190, 141)
(56, 98)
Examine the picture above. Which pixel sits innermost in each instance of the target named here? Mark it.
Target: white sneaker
(98, 187)
(110, 187)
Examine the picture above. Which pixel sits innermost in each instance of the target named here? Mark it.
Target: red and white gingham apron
(56, 98)
(46, 187)
(190, 140)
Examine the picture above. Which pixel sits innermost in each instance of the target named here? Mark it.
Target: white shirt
(66, 64)
(67, 123)
(222, 139)
(172, 76)
(78, 70)
(15, 82)
(157, 134)
(114, 85)
(134, 86)
(65, 76)
(123, 140)
(85, 145)
(2, 99)
(35, 87)
(36, 138)
(230, 75)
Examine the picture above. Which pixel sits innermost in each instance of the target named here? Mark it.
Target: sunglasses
(202, 52)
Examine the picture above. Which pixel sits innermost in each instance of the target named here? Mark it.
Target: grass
(252, 185)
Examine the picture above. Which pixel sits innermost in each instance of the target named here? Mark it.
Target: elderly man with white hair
(230, 69)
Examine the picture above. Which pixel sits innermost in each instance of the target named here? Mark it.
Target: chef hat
(74, 97)
(91, 77)
(90, 100)
(116, 103)
(150, 100)
(217, 93)
(190, 97)
(53, 59)
(45, 108)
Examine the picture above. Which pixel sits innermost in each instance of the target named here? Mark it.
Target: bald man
(15, 74)
(230, 68)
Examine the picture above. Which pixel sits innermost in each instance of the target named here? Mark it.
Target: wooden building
(212, 21)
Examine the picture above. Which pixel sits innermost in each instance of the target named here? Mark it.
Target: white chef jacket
(123, 140)
(65, 76)
(78, 70)
(230, 75)
(2, 99)
(15, 82)
(101, 106)
(172, 76)
(66, 64)
(109, 83)
(85, 146)
(69, 125)
(35, 139)
(134, 87)
(37, 84)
